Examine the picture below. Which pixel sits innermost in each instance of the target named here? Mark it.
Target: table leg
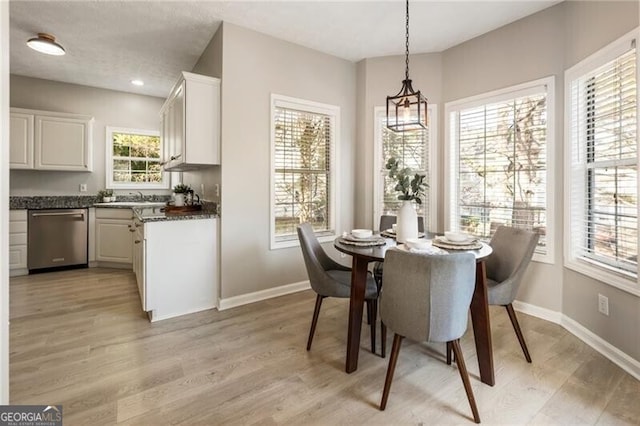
(482, 326)
(356, 303)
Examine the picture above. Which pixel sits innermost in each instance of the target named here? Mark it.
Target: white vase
(178, 200)
(407, 222)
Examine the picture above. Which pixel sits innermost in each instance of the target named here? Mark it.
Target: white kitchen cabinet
(114, 236)
(139, 264)
(191, 123)
(176, 267)
(44, 140)
(18, 242)
(21, 141)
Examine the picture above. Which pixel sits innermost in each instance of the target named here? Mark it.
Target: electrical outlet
(217, 189)
(83, 187)
(603, 304)
(202, 189)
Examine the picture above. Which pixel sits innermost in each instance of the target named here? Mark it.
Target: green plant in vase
(411, 186)
(179, 193)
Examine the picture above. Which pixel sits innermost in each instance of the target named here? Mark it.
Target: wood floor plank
(79, 338)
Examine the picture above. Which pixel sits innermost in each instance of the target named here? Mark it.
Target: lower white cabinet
(176, 266)
(114, 235)
(18, 243)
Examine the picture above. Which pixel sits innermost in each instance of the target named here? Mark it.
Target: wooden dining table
(361, 256)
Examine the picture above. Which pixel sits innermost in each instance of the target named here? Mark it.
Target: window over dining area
(499, 166)
(602, 165)
(414, 149)
(303, 169)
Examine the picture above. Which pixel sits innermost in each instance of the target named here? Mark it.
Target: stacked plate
(360, 239)
(390, 233)
(470, 243)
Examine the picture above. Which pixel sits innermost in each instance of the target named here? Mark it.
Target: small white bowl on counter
(456, 237)
(362, 233)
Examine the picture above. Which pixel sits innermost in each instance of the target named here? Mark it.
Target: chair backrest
(386, 221)
(513, 249)
(315, 259)
(427, 298)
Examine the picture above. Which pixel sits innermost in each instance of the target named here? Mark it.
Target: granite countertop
(158, 214)
(149, 209)
(79, 201)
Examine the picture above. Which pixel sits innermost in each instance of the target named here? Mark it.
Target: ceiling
(109, 43)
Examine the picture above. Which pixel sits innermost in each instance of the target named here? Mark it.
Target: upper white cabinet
(21, 137)
(44, 140)
(191, 123)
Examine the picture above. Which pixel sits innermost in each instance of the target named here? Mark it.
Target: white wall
(255, 66)
(4, 205)
(108, 107)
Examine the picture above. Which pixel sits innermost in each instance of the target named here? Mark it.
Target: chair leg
(395, 350)
(462, 368)
(368, 312)
(372, 308)
(516, 327)
(448, 353)
(314, 321)
(383, 337)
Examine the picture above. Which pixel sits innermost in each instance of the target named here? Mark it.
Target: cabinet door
(21, 141)
(62, 143)
(114, 241)
(177, 123)
(139, 267)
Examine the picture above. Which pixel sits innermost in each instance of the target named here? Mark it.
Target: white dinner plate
(466, 242)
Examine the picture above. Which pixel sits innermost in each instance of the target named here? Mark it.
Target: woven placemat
(375, 241)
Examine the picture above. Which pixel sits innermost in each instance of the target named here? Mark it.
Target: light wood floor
(79, 338)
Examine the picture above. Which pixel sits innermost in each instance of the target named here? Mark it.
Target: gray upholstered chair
(512, 251)
(330, 279)
(427, 298)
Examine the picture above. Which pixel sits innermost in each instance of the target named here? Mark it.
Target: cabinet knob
(136, 242)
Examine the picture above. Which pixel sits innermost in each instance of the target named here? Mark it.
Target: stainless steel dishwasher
(57, 238)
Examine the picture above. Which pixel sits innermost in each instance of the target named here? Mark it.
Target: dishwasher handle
(81, 214)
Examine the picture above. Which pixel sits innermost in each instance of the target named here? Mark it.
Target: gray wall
(550, 41)
(108, 107)
(377, 79)
(255, 66)
(580, 293)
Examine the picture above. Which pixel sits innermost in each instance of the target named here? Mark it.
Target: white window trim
(432, 113)
(597, 271)
(334, 216)
(110, 183)
(523, 89)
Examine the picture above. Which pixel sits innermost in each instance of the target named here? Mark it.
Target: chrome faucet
(140, 194)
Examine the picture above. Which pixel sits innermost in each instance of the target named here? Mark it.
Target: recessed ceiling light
(46, 43)
(137, 82)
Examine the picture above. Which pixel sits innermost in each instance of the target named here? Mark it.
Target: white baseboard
(538, 312)
(614, 354)
(596, 342)
(244, 299)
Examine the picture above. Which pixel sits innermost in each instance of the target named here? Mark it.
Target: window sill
(604, 275)
(277, 245)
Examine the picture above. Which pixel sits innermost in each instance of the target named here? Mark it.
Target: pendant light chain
(406, 73)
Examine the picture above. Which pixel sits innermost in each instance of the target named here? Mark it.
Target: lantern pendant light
(408, 109)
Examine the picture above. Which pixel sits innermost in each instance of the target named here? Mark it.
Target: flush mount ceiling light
(408, 109)
(137, 82)
(46, 43)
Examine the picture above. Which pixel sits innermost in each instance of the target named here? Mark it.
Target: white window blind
(411, 148)
(603, 162)
(302, 170)
(499, 163)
